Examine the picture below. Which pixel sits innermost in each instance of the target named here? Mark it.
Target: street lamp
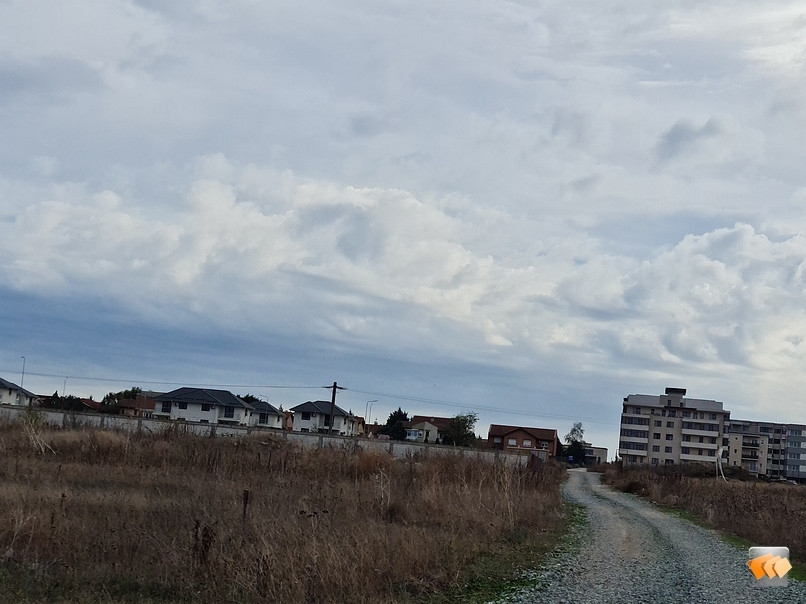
(22, 382)
(366, 413)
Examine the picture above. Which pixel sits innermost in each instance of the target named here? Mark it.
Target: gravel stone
(630, 551)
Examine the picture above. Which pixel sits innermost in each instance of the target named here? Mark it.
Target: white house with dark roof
(11, 394)
(266, 415)
(314, 416)
(203, 405)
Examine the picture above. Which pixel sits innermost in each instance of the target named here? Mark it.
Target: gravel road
(629, 551)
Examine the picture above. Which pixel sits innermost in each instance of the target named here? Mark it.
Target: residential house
(427, 429)
(203, 405)
(266, 415)
(542, 441)
(140, 406)
(595, 455)
(371, 430)
(359, 425)
(288, 420)
(314, 416)
(11, 394)
(668, 429)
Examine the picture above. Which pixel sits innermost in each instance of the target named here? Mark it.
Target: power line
(402, 397)
(164, 383)
(481, 407)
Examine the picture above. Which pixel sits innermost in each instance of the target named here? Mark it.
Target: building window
(656, 435)
(684, 450)
(667, 449)
(527, 442)
(206, 407)
(182, 405)
(655, 461)
(306, 416)
(658, 423)
(713, 416)
(636, 410)
(686, 438)
(669, 462)
(263, 418)
(670, 437)
(512, 442)
(304, 430)
(166, 407)
(229, 412)
(686, 413)
(670, 424)
(656, 448)
(672, 413)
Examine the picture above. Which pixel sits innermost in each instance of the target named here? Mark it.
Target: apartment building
(784, 457)
(796, 452)
(667, 429)
(758, 447)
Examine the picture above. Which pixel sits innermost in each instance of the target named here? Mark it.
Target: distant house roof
(441, 423)
(539, 433)
(224, 398)
(94, 405)
(373, 428)
(319, 407)
(141, 402)
(13, 386)
(266, 407)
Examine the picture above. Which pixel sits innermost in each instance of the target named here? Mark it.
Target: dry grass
(91, 515)
(762, 513)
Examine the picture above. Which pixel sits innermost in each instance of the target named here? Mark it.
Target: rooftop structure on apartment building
(668, 429)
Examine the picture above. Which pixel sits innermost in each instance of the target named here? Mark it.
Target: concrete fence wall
(400, 449)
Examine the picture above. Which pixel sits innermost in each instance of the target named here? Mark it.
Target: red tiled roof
(442, 423)
(539, 433)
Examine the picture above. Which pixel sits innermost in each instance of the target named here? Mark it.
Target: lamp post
(22, 382)
(366, 412)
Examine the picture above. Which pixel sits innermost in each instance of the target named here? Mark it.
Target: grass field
(758, 513)
(100, 515)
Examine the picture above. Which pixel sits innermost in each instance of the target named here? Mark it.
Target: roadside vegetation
(93, 515)
(758, 513)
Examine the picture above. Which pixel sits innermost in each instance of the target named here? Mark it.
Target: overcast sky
(526, 209)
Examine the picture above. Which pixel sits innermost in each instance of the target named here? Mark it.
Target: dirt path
(630, 551)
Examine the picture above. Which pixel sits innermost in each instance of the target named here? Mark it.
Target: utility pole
(334, 387)
(22, 381)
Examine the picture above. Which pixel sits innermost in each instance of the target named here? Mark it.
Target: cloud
(719, 141)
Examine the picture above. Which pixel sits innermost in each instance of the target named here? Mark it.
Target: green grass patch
(513, 564)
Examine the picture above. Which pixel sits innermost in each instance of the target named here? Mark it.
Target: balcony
(692, 432)
(750, 455)
(634, 439)
(625, 452)
(695, 457)
(750, 443)
(698, 445)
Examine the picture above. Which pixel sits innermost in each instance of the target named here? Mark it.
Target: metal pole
(368, 406)
(22, 380)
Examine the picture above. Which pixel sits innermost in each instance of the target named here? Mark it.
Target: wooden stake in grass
(245, 507)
